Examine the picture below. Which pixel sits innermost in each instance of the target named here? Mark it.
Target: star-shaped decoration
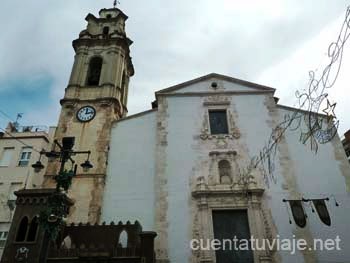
(329, 111)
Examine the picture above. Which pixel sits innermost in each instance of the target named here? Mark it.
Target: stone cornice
(67, 100)
(225, 192)
(26, 137)
(203, 94)
(245, 83)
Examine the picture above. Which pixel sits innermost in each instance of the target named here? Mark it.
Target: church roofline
(210, 93)
(300, 110)
(219, 76)
(136, 115)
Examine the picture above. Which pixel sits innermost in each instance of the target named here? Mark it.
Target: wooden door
(228, 224)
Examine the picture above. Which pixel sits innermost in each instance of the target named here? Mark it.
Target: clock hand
(89, 111)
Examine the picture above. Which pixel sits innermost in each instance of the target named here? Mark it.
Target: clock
(86, 113)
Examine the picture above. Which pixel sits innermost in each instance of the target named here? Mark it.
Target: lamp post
(51, 217)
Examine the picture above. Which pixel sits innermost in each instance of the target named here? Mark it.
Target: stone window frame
(212, 108)
(218, 103)
(219, 109)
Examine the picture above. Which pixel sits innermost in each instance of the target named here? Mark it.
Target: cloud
(174, 41)
(292, 73)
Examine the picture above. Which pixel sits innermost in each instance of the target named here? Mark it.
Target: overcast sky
(271, 42)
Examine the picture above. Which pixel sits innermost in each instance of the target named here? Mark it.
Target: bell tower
(96, 95)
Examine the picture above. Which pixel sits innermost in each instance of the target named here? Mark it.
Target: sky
(274, 43)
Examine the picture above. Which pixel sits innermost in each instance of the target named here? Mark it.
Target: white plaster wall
(183, 124)
(316, 176)
(255, 125)
(129, 190)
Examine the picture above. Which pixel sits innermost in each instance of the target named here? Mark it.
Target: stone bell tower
(96, 96)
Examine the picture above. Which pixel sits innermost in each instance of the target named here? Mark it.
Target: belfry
(96, 96)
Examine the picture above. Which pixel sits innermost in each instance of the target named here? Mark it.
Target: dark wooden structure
(97, 243)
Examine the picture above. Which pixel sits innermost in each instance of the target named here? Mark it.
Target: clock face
(86, 114)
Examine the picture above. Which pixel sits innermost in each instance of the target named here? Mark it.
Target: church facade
(178, 169)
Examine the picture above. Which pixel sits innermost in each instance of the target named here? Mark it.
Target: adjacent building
(346, 144)
(19, 148)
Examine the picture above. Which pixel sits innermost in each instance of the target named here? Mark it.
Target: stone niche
(225, 189)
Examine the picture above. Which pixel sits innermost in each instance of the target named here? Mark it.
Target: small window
(22, 230)
(123, 89)
(123, 239)
(25, 156)
(33, 229)
(218, 122)
(3, 237)
(94, 72)
(109, 16)
(347, 152)
(106, 30)
(66, 243)
(6, 157)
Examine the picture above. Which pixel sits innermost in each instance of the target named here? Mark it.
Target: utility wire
(6, 115)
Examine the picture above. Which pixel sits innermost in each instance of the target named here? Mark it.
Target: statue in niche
(225, 172)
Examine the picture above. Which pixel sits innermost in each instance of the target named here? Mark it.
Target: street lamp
(64, 154)
(86, 166)
(38, 166)
(53, 214)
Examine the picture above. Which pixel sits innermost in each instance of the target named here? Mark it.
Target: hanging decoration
(319, 204)
(298, 212)
(313, 102)
(322, 211)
